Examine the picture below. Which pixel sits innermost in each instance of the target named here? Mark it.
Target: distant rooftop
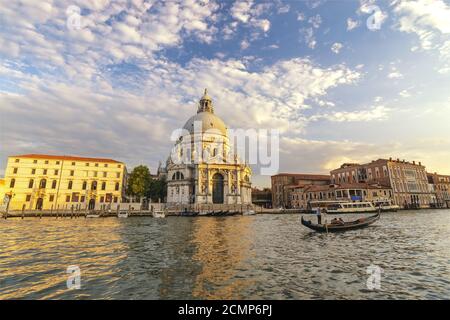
(305, 176)
(63, 157)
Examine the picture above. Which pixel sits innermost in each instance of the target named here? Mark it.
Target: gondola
(351, 225)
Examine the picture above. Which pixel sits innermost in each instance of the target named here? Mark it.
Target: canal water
(242, 257)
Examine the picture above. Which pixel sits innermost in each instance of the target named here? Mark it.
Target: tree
(139, 181)
(157, 189)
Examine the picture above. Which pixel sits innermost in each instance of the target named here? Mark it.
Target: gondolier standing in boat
(321, 215)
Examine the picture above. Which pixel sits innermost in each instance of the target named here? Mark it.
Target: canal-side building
(44, 182)
(202, 169)
(284, 183)
(262, 198)
(3, 200)
(408, 180)
(441, 186)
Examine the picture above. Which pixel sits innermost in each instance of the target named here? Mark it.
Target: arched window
(12, 183)
(94, 185)
(173, 177)
(181, 175)
(117, 186)
(54, 184)
(178, 175)
(30, 184)
(103, 185)
(42, 184)
(84, 185)
(70, 185)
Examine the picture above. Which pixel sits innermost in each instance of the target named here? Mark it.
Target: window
(33, 171)
(42, 184)
(46, 161)
(106, 165)
(45, 171)
(51, 198)
(34, 161)
(72, 173)
(30, 184)
(119, 166)
(115, 199)
(54, 184)
(103, 185)
(118, 174)
(82, 198)
(102, 199)
(104, 174)
(96, 164)
(117, 186)
(95, 173)
(57, 162)
(94, 185)
(87, 164)
(68, 198)
(56, 172)
(28, 197)
(84, 185)
(15, 170)
(12, 183)
(70, 185)
(73, 163)
(17, 160)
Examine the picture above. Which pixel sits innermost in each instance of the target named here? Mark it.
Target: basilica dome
(206, 117)
(208, 121)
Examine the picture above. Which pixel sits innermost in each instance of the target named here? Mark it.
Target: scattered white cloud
(352, 24)
(375, 113)
(405, 94)
(336, 47)
(429, 20)
(308, 37)
(245, 44)
(301, 16)
(315, 21)
(284, 9)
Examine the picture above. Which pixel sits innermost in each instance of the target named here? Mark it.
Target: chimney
(398, 160)
(420, 163)
(414, 162)
(390, 158)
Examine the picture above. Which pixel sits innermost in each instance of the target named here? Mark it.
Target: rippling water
(251, 257)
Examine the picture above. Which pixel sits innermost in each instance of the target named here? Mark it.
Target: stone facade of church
(201, 168)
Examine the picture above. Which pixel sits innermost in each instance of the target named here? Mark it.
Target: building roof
(63, 157)
(304, 176)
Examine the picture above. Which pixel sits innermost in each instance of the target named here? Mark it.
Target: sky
(342, 81)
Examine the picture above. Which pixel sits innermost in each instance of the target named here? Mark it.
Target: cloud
(375, 113)
(301, 16)
(352, 24)
(336, 47)
(315, 21)
(245, 44)
(429, 20)
(308, 37)
(283, 9)
(247, 13)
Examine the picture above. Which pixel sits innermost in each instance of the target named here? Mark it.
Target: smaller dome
(208, 121)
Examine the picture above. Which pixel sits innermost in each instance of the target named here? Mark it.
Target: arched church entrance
(217, 193)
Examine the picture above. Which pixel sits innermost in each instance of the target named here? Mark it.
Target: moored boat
(93, 215)
(122, 214)
(249, 213)
(351, 207)
(159, 214)
(341, 226)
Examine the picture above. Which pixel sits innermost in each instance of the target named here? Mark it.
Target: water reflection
(257, 257)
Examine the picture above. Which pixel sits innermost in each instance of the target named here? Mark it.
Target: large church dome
(205, 115)
(208, 121)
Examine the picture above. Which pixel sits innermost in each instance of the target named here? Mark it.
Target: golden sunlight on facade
(46, 182)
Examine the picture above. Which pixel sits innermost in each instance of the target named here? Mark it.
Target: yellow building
(2, 193)
(44, 182)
